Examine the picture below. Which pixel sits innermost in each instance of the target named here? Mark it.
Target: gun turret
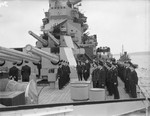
(37, 51)
(44, 42)
(19, 54)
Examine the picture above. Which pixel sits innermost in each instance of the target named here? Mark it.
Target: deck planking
(51, 96)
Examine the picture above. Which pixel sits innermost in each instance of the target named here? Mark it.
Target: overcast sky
(116, 22)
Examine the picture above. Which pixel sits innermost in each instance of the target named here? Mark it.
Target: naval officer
(14, 72)
(25, 72)
(133, 81)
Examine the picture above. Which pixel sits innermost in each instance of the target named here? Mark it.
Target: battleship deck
(51, 96)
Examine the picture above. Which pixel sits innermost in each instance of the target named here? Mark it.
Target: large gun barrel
(76, 2)
(19, 54)
(44, 42)
(85, 45)
(10, 58)
(50, 56)
(53, 38)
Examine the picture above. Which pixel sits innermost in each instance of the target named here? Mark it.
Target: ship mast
(122, 49)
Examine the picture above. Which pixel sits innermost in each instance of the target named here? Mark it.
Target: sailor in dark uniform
(25, 72)
(83, 70)
(109, 78)
(101, 75)
(60, 76)
(79, 70)
(64, 69)
(121, 72)
(94, 75)
(87, 70)
(133, 81)
(68, 72)
(106, 73)
(14, 72)
(127, 74)
(124, 73)
(114, 81)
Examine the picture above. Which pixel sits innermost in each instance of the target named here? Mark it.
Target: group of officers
(83, 70)
(63, 74)
(128, 75)
(104, 74)
(25, 73)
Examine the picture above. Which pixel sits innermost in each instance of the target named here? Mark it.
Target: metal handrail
(147, 99)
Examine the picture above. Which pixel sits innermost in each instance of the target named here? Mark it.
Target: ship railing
(80, 106)
(146, 96)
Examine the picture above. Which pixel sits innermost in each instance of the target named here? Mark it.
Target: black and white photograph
(74, 57)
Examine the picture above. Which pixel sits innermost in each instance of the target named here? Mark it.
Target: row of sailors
(128, 75)
(104, 75)
(83, 70)
(14, 73)
(63, 74)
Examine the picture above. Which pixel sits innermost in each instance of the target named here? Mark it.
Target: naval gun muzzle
(19, 54)
(42, 53)
(44, 42)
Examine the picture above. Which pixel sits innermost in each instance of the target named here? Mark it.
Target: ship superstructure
(64, 31)
(64, 37)
(64, 18)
